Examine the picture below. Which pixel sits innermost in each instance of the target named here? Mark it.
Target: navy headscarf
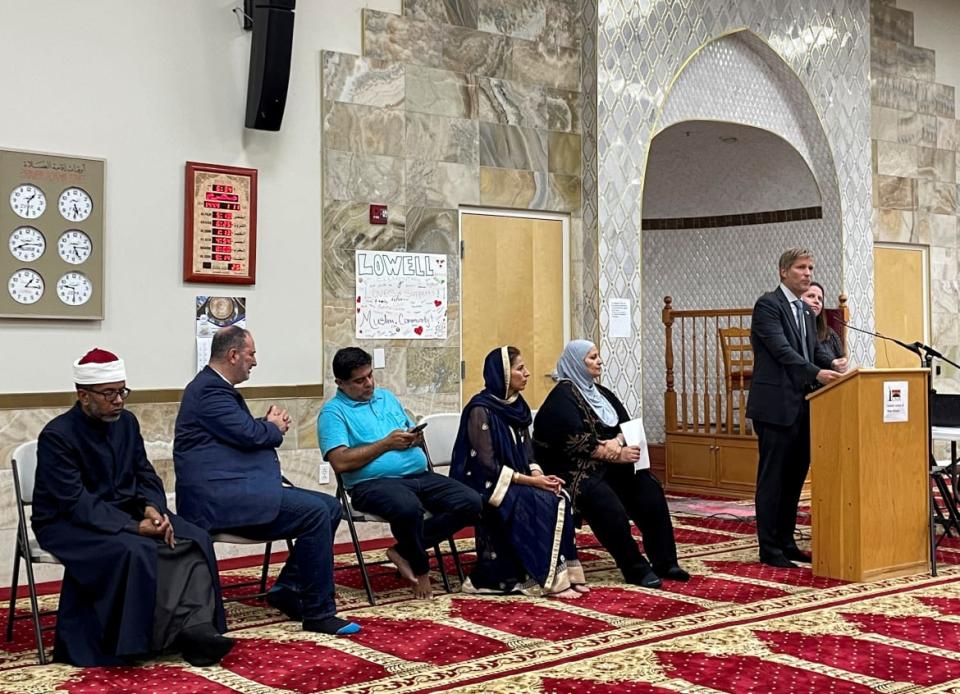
(504, 413)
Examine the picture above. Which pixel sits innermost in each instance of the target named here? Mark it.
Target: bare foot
(403, 566)
(568, 594)
(422, 590)
(581, 587)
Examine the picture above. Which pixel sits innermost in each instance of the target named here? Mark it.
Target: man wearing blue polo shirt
(365, 436)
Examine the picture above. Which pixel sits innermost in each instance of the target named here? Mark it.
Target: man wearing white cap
(138, 580)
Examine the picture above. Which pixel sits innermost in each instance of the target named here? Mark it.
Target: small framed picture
(220, 224)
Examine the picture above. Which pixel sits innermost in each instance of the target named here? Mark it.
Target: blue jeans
(402, 501)
(312, 518)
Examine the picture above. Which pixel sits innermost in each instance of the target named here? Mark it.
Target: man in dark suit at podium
(787, 364)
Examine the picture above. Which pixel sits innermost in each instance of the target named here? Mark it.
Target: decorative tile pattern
(641, 49)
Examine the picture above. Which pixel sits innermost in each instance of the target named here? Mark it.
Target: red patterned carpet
(737, 626)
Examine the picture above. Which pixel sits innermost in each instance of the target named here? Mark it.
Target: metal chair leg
(438, 554)
(35, 608)
(363, 566)
(14, 585)
(265, 570)
(456, 560)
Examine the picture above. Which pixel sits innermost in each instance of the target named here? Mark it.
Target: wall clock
(53, 222)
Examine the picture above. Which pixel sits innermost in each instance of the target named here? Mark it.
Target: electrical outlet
(324, 473)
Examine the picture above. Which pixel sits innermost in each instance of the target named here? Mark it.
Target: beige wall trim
(19, 401)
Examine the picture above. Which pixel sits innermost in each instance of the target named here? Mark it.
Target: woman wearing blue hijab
(525, 540)
(577, 437)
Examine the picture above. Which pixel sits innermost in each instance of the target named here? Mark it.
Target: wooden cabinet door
(691, 462)
(737, 464)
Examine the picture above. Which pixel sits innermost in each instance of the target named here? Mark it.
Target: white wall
(148, 85)
(936, 25)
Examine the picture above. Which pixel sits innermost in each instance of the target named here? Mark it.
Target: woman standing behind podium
(826, 336)
(576, 435)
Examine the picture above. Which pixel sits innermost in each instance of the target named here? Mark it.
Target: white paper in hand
(634, 435)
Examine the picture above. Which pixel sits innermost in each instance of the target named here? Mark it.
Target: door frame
(525, 214)
(925, 267)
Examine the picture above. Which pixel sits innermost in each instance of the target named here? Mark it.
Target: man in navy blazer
(228, 480)
(788, 363)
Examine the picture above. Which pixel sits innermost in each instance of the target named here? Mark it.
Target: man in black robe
(138, 580)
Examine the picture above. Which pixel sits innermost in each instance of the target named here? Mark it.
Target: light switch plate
(324, 473)
(379, 358)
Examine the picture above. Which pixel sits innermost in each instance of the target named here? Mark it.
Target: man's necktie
(802, 325)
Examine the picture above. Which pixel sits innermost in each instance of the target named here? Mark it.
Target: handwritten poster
(401, 295)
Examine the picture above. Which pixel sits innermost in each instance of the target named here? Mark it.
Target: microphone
(914, 347)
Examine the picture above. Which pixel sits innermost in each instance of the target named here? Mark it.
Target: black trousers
(608, 502)
(784, 461)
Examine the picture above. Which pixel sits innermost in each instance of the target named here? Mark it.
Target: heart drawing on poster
(418, 330)
(437, 303)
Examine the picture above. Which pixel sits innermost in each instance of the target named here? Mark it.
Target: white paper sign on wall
(401, 296)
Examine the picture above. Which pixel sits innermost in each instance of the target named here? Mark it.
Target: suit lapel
(791, 317)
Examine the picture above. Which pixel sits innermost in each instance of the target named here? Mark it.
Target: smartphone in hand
(417, 429)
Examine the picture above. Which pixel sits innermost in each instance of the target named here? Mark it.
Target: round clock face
(74, 246)
(75, 204)
(221, 308)
(74, 288)
(28, 201)
(27, 244)
(25, 286)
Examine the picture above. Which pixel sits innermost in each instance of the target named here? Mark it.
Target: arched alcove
(739, 168)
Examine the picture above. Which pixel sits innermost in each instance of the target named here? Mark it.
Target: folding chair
(352, 516)
(24, 465)
(261, 583)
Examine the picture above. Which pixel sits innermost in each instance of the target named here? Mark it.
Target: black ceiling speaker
(269, 61)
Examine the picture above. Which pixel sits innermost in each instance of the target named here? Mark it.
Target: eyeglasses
(111, 393)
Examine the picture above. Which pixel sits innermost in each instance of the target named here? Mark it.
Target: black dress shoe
(674, 573)
(645, 578)
(797, 554)
(779, 561)
(203, 646)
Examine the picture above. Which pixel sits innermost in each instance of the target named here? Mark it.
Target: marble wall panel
(945, 297)
(563, 110)
(433, 230)
(893, 226)
(884, 124)
(441, 184)
(435, 370)
(916, 128)
(476, 52)
(258, 408)
(567, 73)
(513, 147)
(514, 189)
(459, 12)
(947, 133)
(157, 422)
(387, 36)
(356, 80)
(533, 62)
(564, 194)
(916, 63)
(943, 229)
(921, 232)
(347, 225)
(883, 57)
(926, 97)
(302, 468)
(940, 198)
(363, 129)
(513, 103)
(896, 192)
(564, 153)
(364, 177)
(440, 92)
(525, 19)
(956, 166)
(563, 23)
(944, 100)
(438, 138)
(897, 92)
(891, 24)
(944, 165)
(20, 426)
(306, 422)
(943, 265)
(894, 159)
(419, 405)
(926, 162)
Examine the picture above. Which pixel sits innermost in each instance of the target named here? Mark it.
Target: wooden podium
(870, 490)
